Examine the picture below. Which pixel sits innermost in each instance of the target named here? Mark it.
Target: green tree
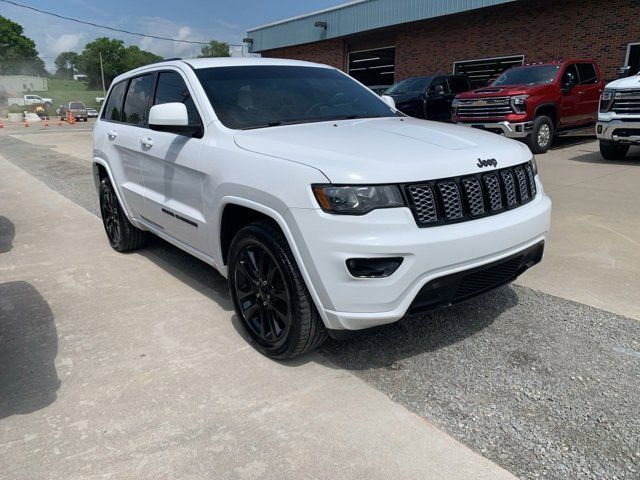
(134, 57)
(18, 54)
(116, 59)
(215, 49)
(67, 64)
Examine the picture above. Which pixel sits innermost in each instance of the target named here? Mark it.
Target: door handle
(146, 142)
(112, 134)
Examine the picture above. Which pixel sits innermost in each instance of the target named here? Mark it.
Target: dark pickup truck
(535, 102)
(428, 97)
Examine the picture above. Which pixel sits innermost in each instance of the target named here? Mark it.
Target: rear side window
(459, 84)
(76, 105)
(113, 108)
(136, 102)
(587, 73)
(171, 88)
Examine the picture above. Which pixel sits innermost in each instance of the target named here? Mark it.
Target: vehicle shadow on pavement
(632, 158)
(28, 348)
(571, 140)
(417, 334)
(189, 270)
(7, 233)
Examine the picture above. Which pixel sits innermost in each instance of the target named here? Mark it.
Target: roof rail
(165, 60)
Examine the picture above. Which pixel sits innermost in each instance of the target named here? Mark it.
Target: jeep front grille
(484, 108)
(627, 102)
(452, 200)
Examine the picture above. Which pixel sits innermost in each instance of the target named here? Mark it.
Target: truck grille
(484, 108)
(459, 199)
(627, 102)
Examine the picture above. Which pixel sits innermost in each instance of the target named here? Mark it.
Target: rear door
(589, 91)
(172, 171)
(110, 133)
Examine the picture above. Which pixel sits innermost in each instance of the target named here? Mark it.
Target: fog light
(373, 267)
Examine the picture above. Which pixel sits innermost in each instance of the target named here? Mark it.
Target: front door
(569, 100)
(172, 171)
(438, 100)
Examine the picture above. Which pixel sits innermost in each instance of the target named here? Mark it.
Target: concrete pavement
(121, 366)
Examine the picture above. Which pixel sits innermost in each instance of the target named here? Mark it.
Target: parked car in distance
(29, 99)
(618, 124)
(92, 112)
(327, 211)
(428, 97)
(79, 111)
(535, 102)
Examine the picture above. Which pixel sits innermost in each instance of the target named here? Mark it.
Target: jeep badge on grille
(490, 162)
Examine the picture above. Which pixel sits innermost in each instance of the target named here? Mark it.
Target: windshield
(267, 96)
(527, 75)
(410, 85)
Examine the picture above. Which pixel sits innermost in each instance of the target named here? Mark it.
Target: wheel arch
(250, 211)
(550, 110)
(102, 170)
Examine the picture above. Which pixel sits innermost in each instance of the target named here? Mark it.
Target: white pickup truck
(618, 124)
(29, 100)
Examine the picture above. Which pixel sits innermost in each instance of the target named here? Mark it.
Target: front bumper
(508, 129)
(619, 131)
(349, 303)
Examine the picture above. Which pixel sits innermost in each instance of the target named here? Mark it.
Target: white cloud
(62, 43)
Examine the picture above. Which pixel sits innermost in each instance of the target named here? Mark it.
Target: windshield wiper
(274, 123)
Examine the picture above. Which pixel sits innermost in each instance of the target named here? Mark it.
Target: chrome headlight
(357, 199)
(518, 103)
(606, 100)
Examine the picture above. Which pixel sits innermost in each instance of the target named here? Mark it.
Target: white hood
(628, 82)
(385, 150)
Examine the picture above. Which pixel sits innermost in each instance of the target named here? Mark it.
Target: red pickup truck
(534, 102)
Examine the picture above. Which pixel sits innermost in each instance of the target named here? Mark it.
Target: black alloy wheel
(263, 295)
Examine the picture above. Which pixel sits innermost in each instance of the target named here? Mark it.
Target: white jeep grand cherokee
(326, 209)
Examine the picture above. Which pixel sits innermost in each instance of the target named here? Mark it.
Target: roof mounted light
(322, 25)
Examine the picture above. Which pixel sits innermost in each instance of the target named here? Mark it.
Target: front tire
(540, 139)
(613, 151)
(122, 235)
(269, 294)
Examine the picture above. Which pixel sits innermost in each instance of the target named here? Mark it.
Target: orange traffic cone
(1, 124)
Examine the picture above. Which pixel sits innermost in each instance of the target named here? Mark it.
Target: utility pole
(104, 92)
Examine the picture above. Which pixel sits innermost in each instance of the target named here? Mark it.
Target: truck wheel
(541, 137)
(122, 235)
(269, 294)
(613, 151)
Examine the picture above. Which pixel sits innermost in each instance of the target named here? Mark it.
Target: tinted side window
(113, 108)
(459, 84)
(136, 103)
(438, 81)
(587, 73)
(171, 88)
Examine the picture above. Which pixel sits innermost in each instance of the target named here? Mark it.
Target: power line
(111, 28)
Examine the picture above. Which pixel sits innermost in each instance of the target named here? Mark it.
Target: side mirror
(623, 72)
(568, 82)
(389, 101)
(173, 118)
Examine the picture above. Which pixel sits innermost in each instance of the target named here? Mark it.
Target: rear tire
(541, 138)
(613, 151)
(122, 235)
(269, 294)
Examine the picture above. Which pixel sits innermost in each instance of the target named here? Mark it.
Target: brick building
(382, 41)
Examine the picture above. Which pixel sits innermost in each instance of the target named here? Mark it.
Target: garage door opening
(633, 59)
(375, 68)
(484, 70)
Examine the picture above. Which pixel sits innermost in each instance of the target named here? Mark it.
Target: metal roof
(354, 17)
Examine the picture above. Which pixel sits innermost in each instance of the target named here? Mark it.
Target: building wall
(330, 52)
(539, 29)
(15, 84)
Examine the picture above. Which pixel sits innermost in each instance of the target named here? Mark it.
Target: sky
(198, 20)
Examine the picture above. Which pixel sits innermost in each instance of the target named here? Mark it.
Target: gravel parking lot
(537, 380)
